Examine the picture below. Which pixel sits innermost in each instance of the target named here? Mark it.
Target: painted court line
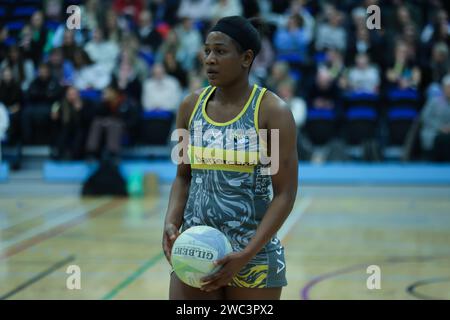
(38, 277)
(133, 276)
(294, 217)
(52, 221)
(8, 252)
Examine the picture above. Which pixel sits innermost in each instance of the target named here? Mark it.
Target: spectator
(129, 8)
(43, 92)
(190, 42)
(297, 105)
(70, 116)
(149, 38)
(62, 70)
(363, 77)
(173, 68)
(11, 98)
(435, 132)
(224, 8)
(113, 31)
(293, 40)
(324, 93)
(403, 73)
(164, 11)
(69, 45)
(101, 51)
(279, 73)
(331, 34)
(130, 73)
(22, 69)
(116, 116)
(39, 36)
(90, 14)
(265, 58)
(161, 91)
(334, 64)
(437, 68)
(89, 75)
(195, 9)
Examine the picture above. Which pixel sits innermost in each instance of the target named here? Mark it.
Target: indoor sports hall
(95, 90)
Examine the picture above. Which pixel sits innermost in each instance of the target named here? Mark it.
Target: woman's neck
(234, 93)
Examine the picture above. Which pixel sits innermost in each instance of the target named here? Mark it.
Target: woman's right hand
(171, 233)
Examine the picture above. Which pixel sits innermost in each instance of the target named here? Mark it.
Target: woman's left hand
(231, 264)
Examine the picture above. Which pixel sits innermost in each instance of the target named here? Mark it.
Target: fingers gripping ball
(194, 253)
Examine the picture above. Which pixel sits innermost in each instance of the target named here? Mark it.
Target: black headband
(241, 30)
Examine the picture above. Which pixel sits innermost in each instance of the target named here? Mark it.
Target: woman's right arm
(180, 187)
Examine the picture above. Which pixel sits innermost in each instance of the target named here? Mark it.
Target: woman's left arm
(284, 183)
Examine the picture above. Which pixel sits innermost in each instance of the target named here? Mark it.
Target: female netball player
(239, 200)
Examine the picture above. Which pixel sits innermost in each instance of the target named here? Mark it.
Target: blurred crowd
(118, 80)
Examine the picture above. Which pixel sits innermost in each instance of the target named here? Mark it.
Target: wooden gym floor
(333, 234)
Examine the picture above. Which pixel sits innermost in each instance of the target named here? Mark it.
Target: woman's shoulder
(272, 107)
(188, 104)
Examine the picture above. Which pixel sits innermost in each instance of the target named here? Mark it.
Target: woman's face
(223, 63)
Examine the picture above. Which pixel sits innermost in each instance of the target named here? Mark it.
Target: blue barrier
(332, 173)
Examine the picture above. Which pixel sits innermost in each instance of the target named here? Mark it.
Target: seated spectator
(43, 92)
(297, 105)
(190, 42)
(69, 46)
(293, 39)
(129, 8)
(11, 98)
(22, 69)
(436, 69)
(116, 116)
(174, 69)
(164, 11)
(161, 91)
(39, 36)
(89, 75)
(331, 34)
(149, 38)
(403, 73)
(324, 93)
(279, 73)
(435, 134)
(90, 14)
(70, 116)
(363, 77)
(266, 56)
(130, 73)
(224, 8)
(60, 69)
(101, 51)
(334, 64)
(195, 9)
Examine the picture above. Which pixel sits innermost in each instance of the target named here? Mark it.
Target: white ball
(194, 252)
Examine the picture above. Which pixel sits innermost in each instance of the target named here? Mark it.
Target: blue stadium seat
(24, 11)
(359, 96)
(320, 114)
(10, 41)
(289, 57)
(52, 25)
(15, 25)
(92, 95)
(148, 57)
(157, 114)
(361, 113)
(403, 94)
(402, 114)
